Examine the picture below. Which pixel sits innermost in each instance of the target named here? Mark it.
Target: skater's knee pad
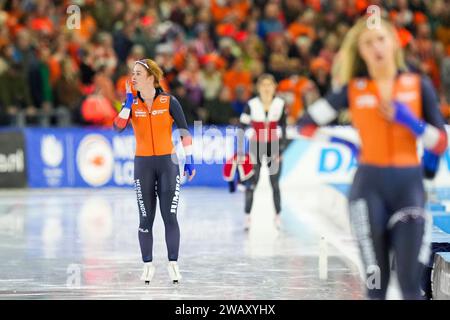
(145, 224)
(144, 227)
(408, 216)
(414, 223)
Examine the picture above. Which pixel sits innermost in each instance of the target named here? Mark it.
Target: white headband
(144, 64)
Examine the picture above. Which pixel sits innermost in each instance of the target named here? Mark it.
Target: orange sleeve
(55, 70)
(242, 9)
(228, 78)
(445, 110)
(284, 85)
(218, 12)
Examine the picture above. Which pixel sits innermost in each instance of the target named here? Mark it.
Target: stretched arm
(323, 111)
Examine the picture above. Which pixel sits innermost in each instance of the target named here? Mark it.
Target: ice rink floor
(82, 244)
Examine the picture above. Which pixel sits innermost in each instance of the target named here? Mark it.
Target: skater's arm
(323, 111)
(245, 118)
(176, 111)
(121, 120)
(431, 129)
(435, 136)
(244, 122)
(283, 124)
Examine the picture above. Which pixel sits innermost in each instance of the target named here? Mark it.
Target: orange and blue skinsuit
(156, 170)
(387, 198)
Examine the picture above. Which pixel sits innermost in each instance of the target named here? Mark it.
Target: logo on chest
(407, 96)
(366, 101)
(139, 113)
(158, 112)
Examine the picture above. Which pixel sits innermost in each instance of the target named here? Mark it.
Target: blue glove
(128, 101)
(404, 116)
(189, 165)
(430, 164)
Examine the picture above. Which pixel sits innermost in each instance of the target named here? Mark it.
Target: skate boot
(247, 222)
(174, 272)
(278, 222)
(148, 273)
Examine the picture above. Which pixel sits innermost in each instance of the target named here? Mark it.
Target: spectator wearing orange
(320, 75)
(104, 85)
(225, 9)
(40, 21)
(302, 26)
(294, 90)
(238, 76)
(88, 27)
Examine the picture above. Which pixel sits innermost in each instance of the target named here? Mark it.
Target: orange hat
(241, 36)
(319, 63)
(393, 15)
(419, 18)
(405, 37)
(147, 21)
(361, 5)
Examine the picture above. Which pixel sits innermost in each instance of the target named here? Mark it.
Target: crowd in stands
(55, 74)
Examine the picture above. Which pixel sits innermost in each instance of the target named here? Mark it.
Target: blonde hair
(349, 63)
(153, 70)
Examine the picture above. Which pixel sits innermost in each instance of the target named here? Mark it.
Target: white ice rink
(82, 244)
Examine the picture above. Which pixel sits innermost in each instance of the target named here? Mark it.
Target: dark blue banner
(79, 157)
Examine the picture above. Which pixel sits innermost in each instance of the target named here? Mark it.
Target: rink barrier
(441, 276)
(440, 244)
(12, 160)
(92, 157)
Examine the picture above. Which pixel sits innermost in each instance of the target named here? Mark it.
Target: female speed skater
(392, 109)
(156, 172)
(265, 113)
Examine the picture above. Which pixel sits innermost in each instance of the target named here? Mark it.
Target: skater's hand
(387, 110)
(128, 86)
(129, 100)
(191, 174)
(189, 168)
